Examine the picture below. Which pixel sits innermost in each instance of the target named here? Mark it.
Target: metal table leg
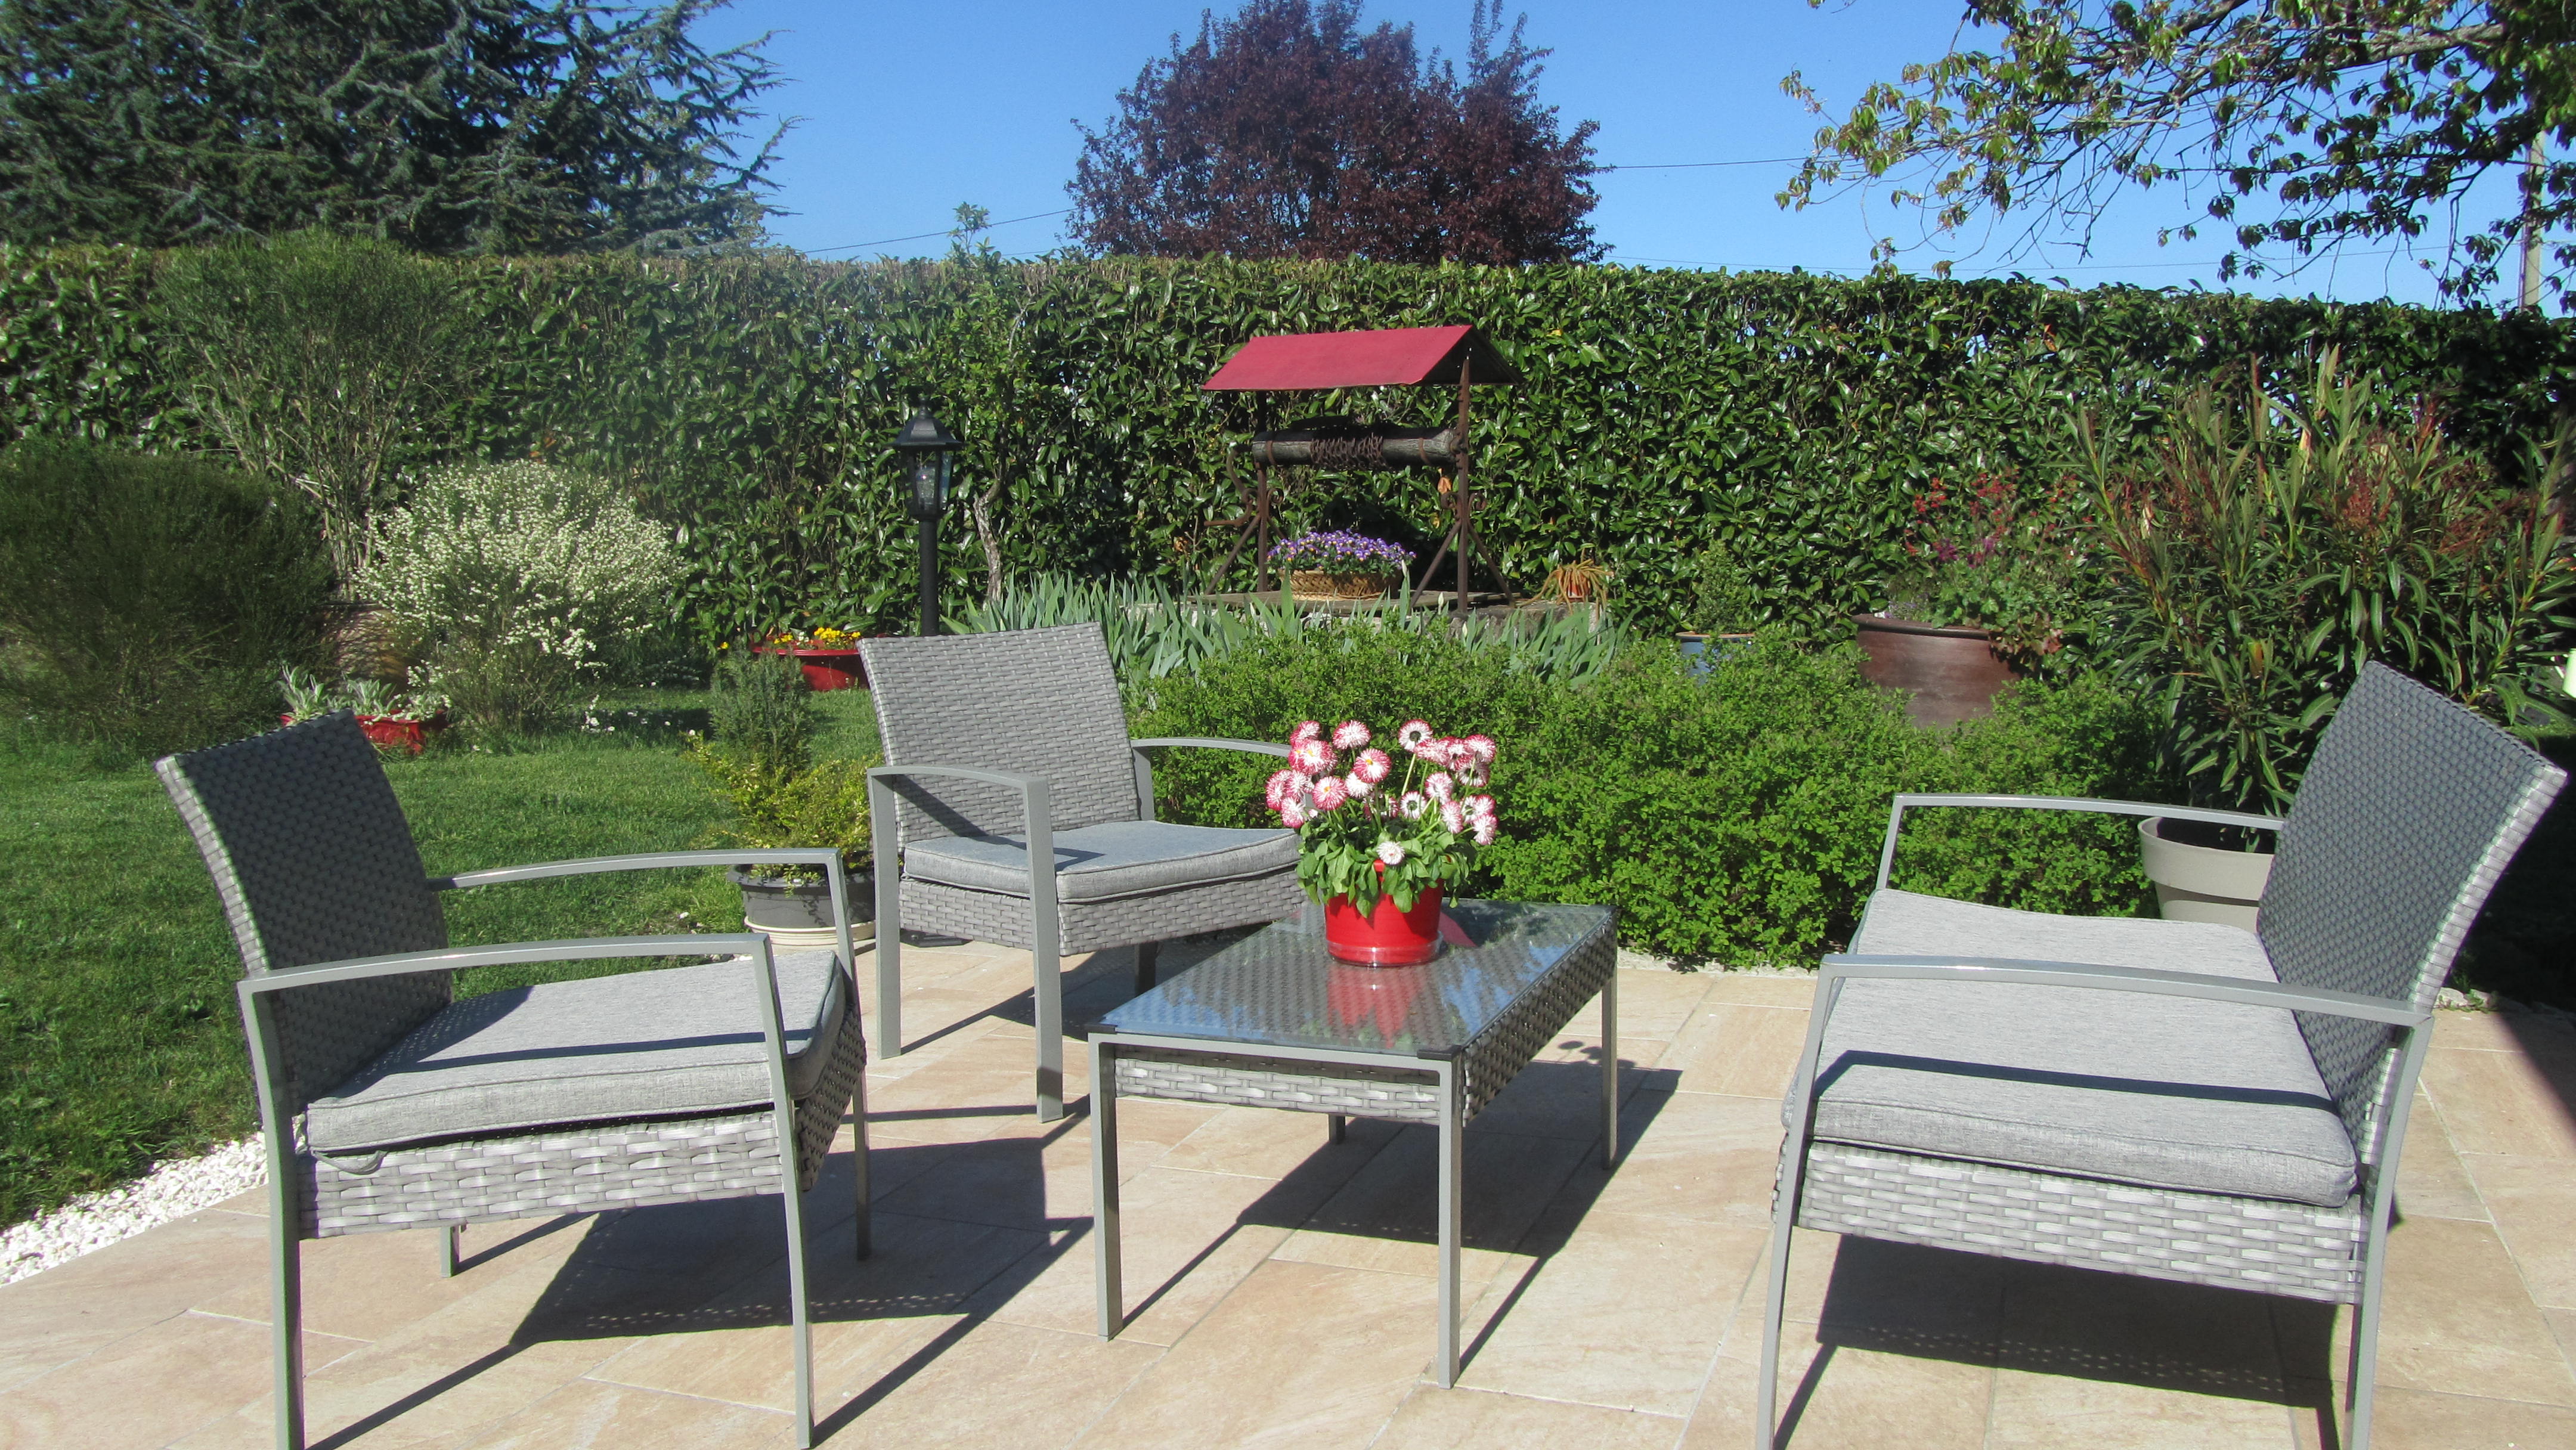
(1452, 1130)
(1104, 1188)
(1610, 1070)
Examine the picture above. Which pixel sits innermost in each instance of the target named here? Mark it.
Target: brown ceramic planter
(1952, 674)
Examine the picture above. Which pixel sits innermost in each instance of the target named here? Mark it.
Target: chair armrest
(1145, 763)
(1848, 966)
(1037, 820)
(578, 949)
(1896, 815)
(1257, 747)
(963, 772)
(789, 855)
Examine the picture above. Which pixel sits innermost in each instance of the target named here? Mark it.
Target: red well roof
(1388, 356)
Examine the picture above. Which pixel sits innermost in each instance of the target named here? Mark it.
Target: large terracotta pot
(1952, 673)
(2202, 883)
(825, 669)
(1386, 937)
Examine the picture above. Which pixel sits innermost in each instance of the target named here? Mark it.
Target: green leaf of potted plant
(760, 761)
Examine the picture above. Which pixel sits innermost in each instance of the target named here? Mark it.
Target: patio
(1282, 1293)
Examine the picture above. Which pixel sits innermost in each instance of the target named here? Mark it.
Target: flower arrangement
(826, 637)
(1342, 552)
(2000, 554)
(1365, 832)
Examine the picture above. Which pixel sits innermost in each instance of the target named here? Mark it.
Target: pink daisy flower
(1391, 852)
(1484, 831)
(1329, 794)
(1471, 775)
(1413, 805)
(1306, 730)
(1413, 733)
(1293, 814)
(1355, 787)
(1311, 755)
(1348, 734)
(1480, 807)
(1439, 787)
(1454, 816)
(1482, 747)
(1280, 787)
(1372, 766)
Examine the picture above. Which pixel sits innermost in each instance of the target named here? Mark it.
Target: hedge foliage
(1734, 817)
(749, 400)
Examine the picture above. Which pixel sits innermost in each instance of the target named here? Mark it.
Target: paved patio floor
(1282, 1288)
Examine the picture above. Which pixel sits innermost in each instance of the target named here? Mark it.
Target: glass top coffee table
(1273, 1022)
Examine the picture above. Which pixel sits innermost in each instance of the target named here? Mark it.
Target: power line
(1700, 165)
(943, 232)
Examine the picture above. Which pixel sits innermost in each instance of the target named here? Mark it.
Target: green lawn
(119, 1038)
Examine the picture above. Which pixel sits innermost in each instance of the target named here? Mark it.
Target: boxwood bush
(1733, 817)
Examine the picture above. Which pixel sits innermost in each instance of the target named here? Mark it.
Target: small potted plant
(760, 761)
(1378, 849)
(392, 717)
(1988, 595)
(1723, 610)
(1340, 565)
(829, 656)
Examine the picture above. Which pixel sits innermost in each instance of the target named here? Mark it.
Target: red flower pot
(825, 669)
(396, 732)
(1385, 937)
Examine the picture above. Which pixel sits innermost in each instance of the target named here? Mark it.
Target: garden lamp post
(925, 446)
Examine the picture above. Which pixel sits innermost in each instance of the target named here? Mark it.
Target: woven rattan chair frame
(2369, 1045)
(1022, 730)
(262, 812)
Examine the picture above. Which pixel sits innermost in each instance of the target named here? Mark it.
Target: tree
(2360, 120)
(507, 126)
(1287, 131)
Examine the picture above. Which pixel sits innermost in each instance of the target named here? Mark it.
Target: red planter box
(825, 669)
(395, 732)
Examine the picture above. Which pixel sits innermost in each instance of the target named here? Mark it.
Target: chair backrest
(315, 863)
(2408, 813)
(1034, 701)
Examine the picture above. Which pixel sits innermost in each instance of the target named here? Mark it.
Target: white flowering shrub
(507, 579)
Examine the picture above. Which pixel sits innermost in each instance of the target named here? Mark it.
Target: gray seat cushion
(669, 1043)
(2163, 1092)
(1106, 861)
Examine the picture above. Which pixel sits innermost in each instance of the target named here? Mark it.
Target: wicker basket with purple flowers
(1340, 565)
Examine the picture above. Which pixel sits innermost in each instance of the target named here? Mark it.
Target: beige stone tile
(1838, 1397)
(1437, 1419)
(1244, 1380)
(2501, 1102)
(365, 1286)
(1387, 1217)
(1760, 989)
(2048, 1411)
(2474, 1031)
(998, 1387)
(251, 1201)
(586, 1415)
(982, 1088)
(151, 1386)
(1560, 1096)
(1261, 1142)
(1186, 1239)
(1690, 1155)
(1652, 1003)
(1738, 1049)
(1038, 1182)
(2534, 1203)
(1571, 1331)
(421, 1394)
(2147, 1334)
(867, 1317)
(2431, 1183)
(2456, 1314)
(1880, 1296)
(74, 1309)
(2562, 1322)
(2405, 1419)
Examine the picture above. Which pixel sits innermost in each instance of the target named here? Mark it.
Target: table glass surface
(1277, 988)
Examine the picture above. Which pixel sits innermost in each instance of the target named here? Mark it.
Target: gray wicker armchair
(386, 1103)
(2180, 1100)
(1009, 748)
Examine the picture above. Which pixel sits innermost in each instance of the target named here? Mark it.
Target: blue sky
(908, 110)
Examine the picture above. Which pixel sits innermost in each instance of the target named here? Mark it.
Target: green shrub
(761, 712)
(1735, 817)
(508, 578)
(147, 603)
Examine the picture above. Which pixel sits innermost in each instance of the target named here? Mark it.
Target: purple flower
(1342, 552)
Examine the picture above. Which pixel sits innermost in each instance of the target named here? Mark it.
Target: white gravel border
(173, 1188)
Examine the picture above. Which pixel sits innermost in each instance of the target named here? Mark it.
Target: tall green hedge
(749, 400)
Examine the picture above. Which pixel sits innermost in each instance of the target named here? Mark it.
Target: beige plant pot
(2203, 883)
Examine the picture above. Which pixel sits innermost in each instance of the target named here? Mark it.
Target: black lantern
(925, 447)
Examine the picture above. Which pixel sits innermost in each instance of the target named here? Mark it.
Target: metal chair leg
(889, 948)
(865, 1232)
(1784, 1217)
(793, 1200)
(2364, 1373)
(1107, 1280)
(286, 1316)
(451, 1247)
(1148, 956)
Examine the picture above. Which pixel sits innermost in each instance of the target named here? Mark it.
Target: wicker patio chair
(2180, 1100)
(387, 1103)
(1009, 748)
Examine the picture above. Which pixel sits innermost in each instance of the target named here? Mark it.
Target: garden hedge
(749, 401)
